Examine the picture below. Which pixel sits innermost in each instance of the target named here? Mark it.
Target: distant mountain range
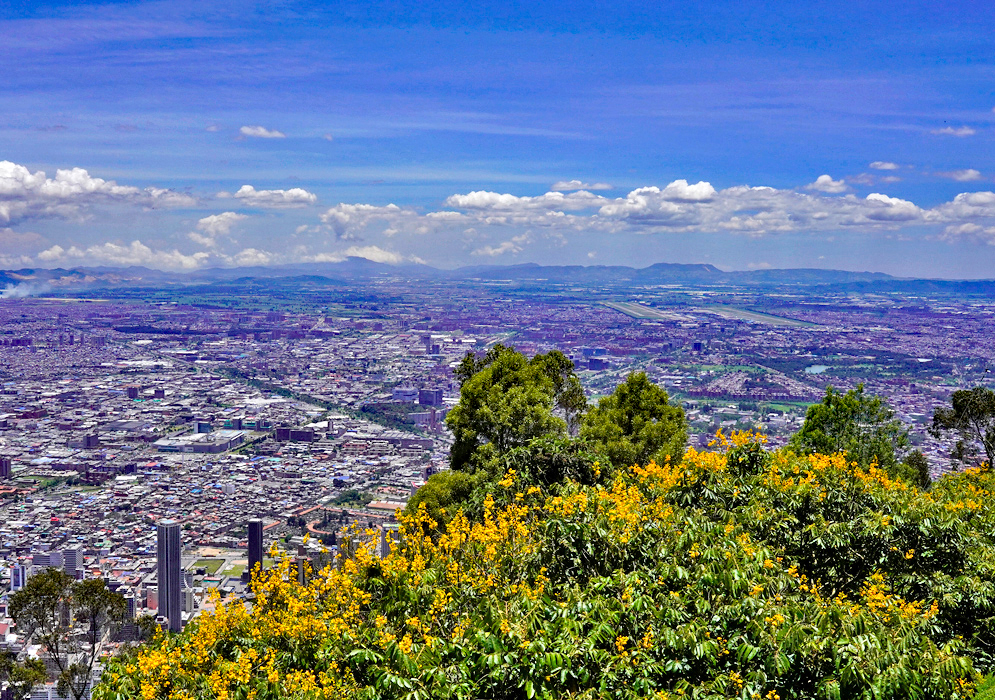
(29, 282)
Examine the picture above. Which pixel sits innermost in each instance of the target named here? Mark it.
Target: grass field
(211, 565)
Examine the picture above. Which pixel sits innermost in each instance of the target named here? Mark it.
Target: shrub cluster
(734, 573)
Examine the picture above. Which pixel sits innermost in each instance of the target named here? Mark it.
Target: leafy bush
(732, 574)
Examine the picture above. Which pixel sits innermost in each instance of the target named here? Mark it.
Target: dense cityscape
(324, 410)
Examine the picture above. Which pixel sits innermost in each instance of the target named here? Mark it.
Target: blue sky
(181, 135)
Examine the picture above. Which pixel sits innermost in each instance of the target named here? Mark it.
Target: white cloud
(347, 220)
(881, 207)
(571, 185)
(374, 253)
(981, 234)
(135, 253)
(513, 247)
(960, 131)
(967, 206)
(490, 224)
(884, 165)
(681, 191)
(261, 132)
(511, 204)
(966, 175)
(678, 207)
(212, 227)
(251, 256)
(70, 193)
(503, 249)
(350, 221)
(826, 184)
(272, 199)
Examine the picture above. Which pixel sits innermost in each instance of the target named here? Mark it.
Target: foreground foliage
(734, 574)
(67, 618)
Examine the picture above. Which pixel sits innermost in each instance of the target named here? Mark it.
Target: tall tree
(19, 678)
(857, 423)
(971, 416)
(636, 424)
(506, 400)
(69, 619)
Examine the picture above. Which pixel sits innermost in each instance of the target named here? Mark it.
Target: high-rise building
(255, 544)
(4, 467)
(430, 397)
(132, 604)
(390, 537)
(168, 574)
(72, 559)
(18, 577)
(44, 560)
(404, 394)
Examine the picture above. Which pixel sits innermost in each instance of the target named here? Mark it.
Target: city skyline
(179, 137)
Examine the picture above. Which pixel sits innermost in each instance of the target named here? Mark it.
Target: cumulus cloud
(884, 165)
(261, 132)
(960, 131)
(966, 175)
(571, 185)
(272, 199)
(349, 222)
(967, 207)
(70, 193)
(491, 223)
(495, 202)
(135, 253)
(881, 207)
(374, 253)
(494, 251)
(678, 207)
(251, 256)
(210, 228)
(976, 232)
(826, 184)
(512, 247)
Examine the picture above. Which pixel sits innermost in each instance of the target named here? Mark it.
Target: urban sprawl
(200, 433)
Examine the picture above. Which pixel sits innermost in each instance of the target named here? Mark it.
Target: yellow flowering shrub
(737, 573)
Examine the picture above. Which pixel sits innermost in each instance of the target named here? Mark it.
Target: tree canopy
(506, 400)
(20, 677)
(861, 425)
(68, 618)
(636, 424)
(971, 416)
